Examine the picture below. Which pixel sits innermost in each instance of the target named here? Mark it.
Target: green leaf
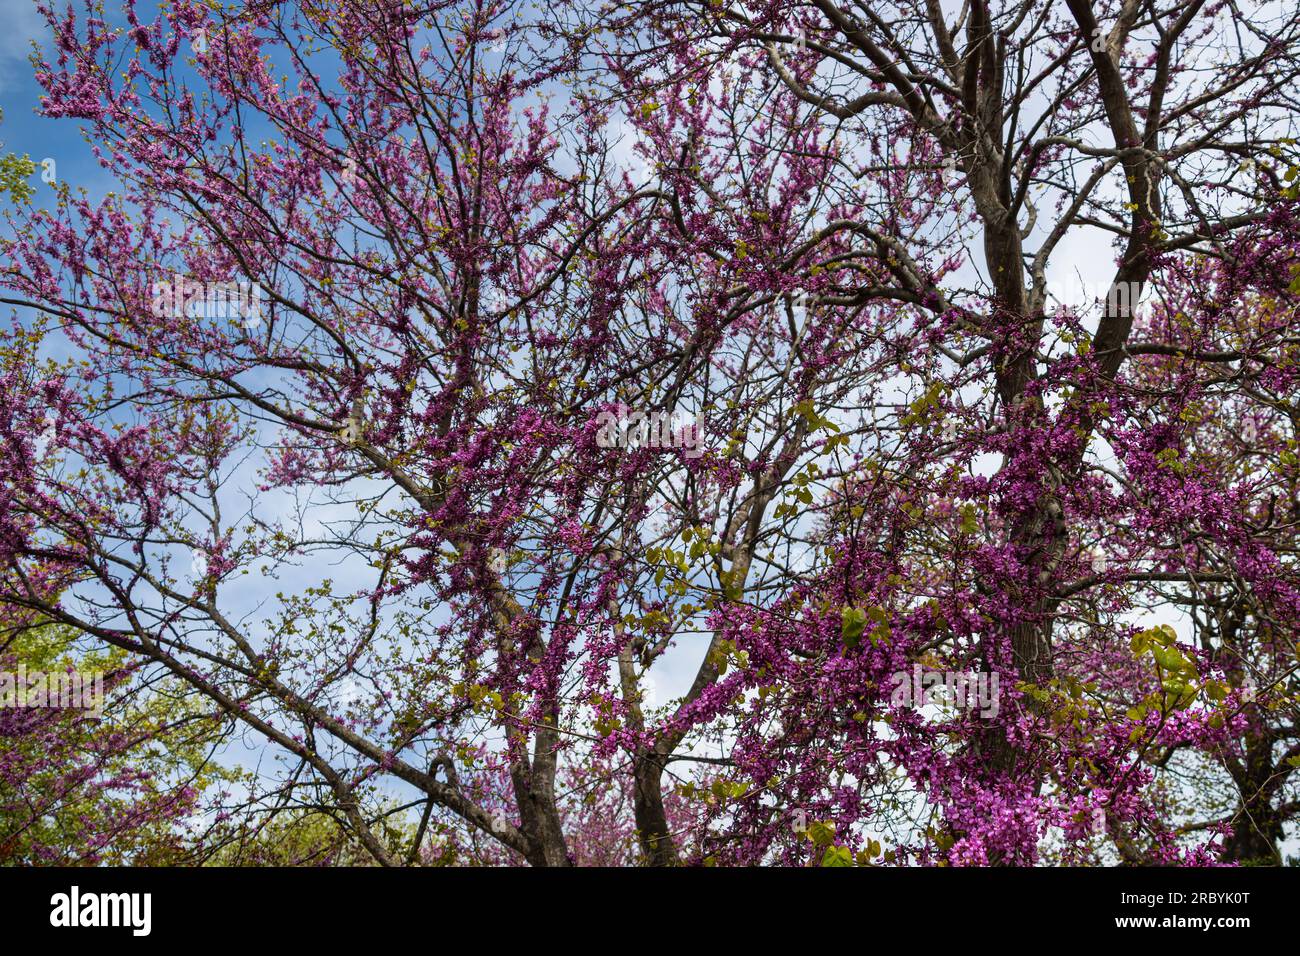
(853, 622)
(837, 856)
(969, 523)
(822, 834)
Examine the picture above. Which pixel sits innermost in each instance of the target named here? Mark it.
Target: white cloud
(22, 25)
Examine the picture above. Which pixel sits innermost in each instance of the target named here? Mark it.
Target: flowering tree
(441, 380)
(93, 773)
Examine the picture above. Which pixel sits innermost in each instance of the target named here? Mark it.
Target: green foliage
(15, 171)
(303, 837)
(1176, 671)
(853, 622)
(821, 834)
(158, 738)
(837, 856)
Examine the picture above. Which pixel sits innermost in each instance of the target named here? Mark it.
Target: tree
(107, 784)
(381, 316)
(1242, 442)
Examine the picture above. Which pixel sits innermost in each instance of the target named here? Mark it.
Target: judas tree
(94, 768)
(441, 382)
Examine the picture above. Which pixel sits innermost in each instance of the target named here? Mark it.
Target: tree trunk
(1256, 826)
(651, 820)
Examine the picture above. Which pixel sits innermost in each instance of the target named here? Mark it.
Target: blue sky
(23, 130)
